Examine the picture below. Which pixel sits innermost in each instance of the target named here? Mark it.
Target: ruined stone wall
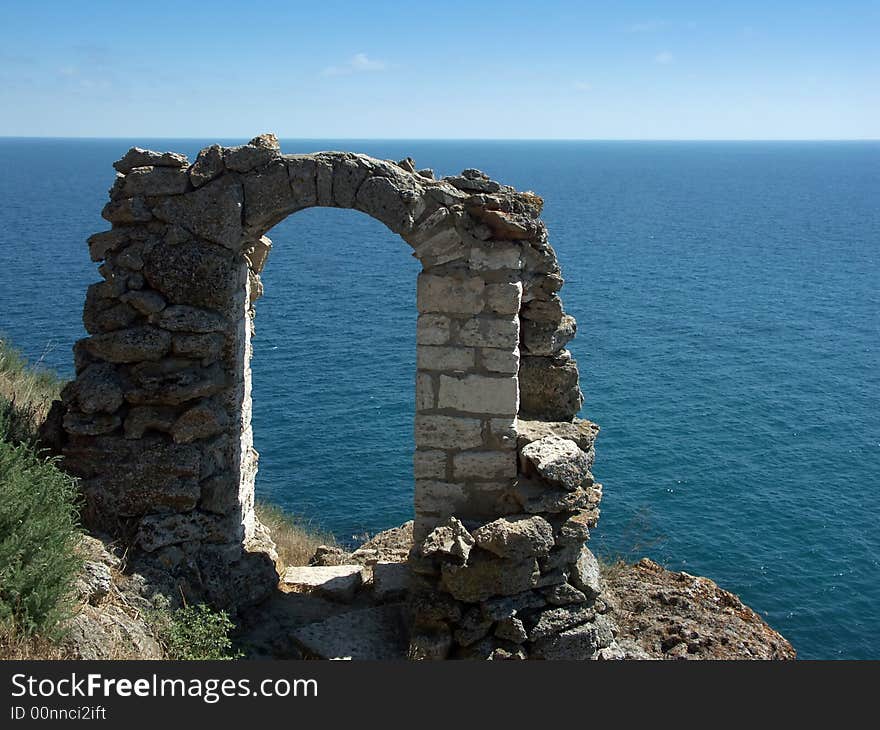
(158, 420)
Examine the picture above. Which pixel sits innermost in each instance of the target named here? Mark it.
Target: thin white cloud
(663, 58)
(582, 86)
(359, 63)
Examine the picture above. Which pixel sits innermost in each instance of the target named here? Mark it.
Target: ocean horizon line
(730, 140)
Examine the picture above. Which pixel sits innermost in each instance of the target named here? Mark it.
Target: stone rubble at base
(158, 420)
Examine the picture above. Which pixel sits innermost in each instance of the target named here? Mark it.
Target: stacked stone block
(158, 420)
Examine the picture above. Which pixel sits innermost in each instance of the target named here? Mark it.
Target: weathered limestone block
(100, 244)
(172, 382)
(546, 338)
(349, 173)
(425, 396)
(586, 575)
(390, 581)
(511, 629)
(257, 253)
(581, 431)
(560, 558)
(130, 345)
(502, 432)
(103, 312)
(549, 388)
(472, 627)
(212, 211)
(144, 418)
(201, 421)
(111, 497)
(439, 497)
(504, 298)
(500, 360)
(450, 294)
(479, 394)
(184, 318)
(268, 197)
(127, 210)
(91, 424)
(553, 620)
(448, 432)
(535, 497)
(505, 226)
(574, 527)
(433, 329)
(429, 464)
(96, 389)
(516, 538)
(484, 465)
(504, 607)
(485, 575)
(324, 180)
(138, 157)
(247, 157)
(335, 582)
(495, 255)
(144, 301)
(192, 273)
(488, 331)
(450, 540)
(301, 171)
(557, 461)
(205, 346)
(208, 165)
(388, 200)
(543, 310)
(220, 494)
(158, 531)
(436, 240)
(580, 642)
(157, 180)
(563, 594)
(432, 357)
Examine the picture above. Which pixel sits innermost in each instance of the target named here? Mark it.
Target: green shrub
(195, 632)
(38, 535)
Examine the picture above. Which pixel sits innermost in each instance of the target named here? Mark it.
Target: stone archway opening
(333, 368)
(159, 418)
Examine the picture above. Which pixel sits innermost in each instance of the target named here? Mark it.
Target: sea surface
(728, 302)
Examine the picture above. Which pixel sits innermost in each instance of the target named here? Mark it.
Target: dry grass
(29, 388)
(16, 646)
(295, 540)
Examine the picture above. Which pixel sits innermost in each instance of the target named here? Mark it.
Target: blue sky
(375, 69)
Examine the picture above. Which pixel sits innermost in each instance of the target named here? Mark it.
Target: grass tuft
(295, 539)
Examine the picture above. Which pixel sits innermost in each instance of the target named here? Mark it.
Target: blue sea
(728, 302)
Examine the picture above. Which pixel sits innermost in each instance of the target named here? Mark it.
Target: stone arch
(157, 421)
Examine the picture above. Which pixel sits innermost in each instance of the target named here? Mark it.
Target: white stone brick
(456, 295)
(490, 257)
(504, 430)
(429, 464)
(499, 332)
(448, 432)
(500, 361)
(432, 329)
(438, 496)
(484, 465)
(430, 357)
(425, 392)
(479, 394)
(504, 298)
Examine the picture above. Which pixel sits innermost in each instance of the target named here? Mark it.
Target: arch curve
(157, 421)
